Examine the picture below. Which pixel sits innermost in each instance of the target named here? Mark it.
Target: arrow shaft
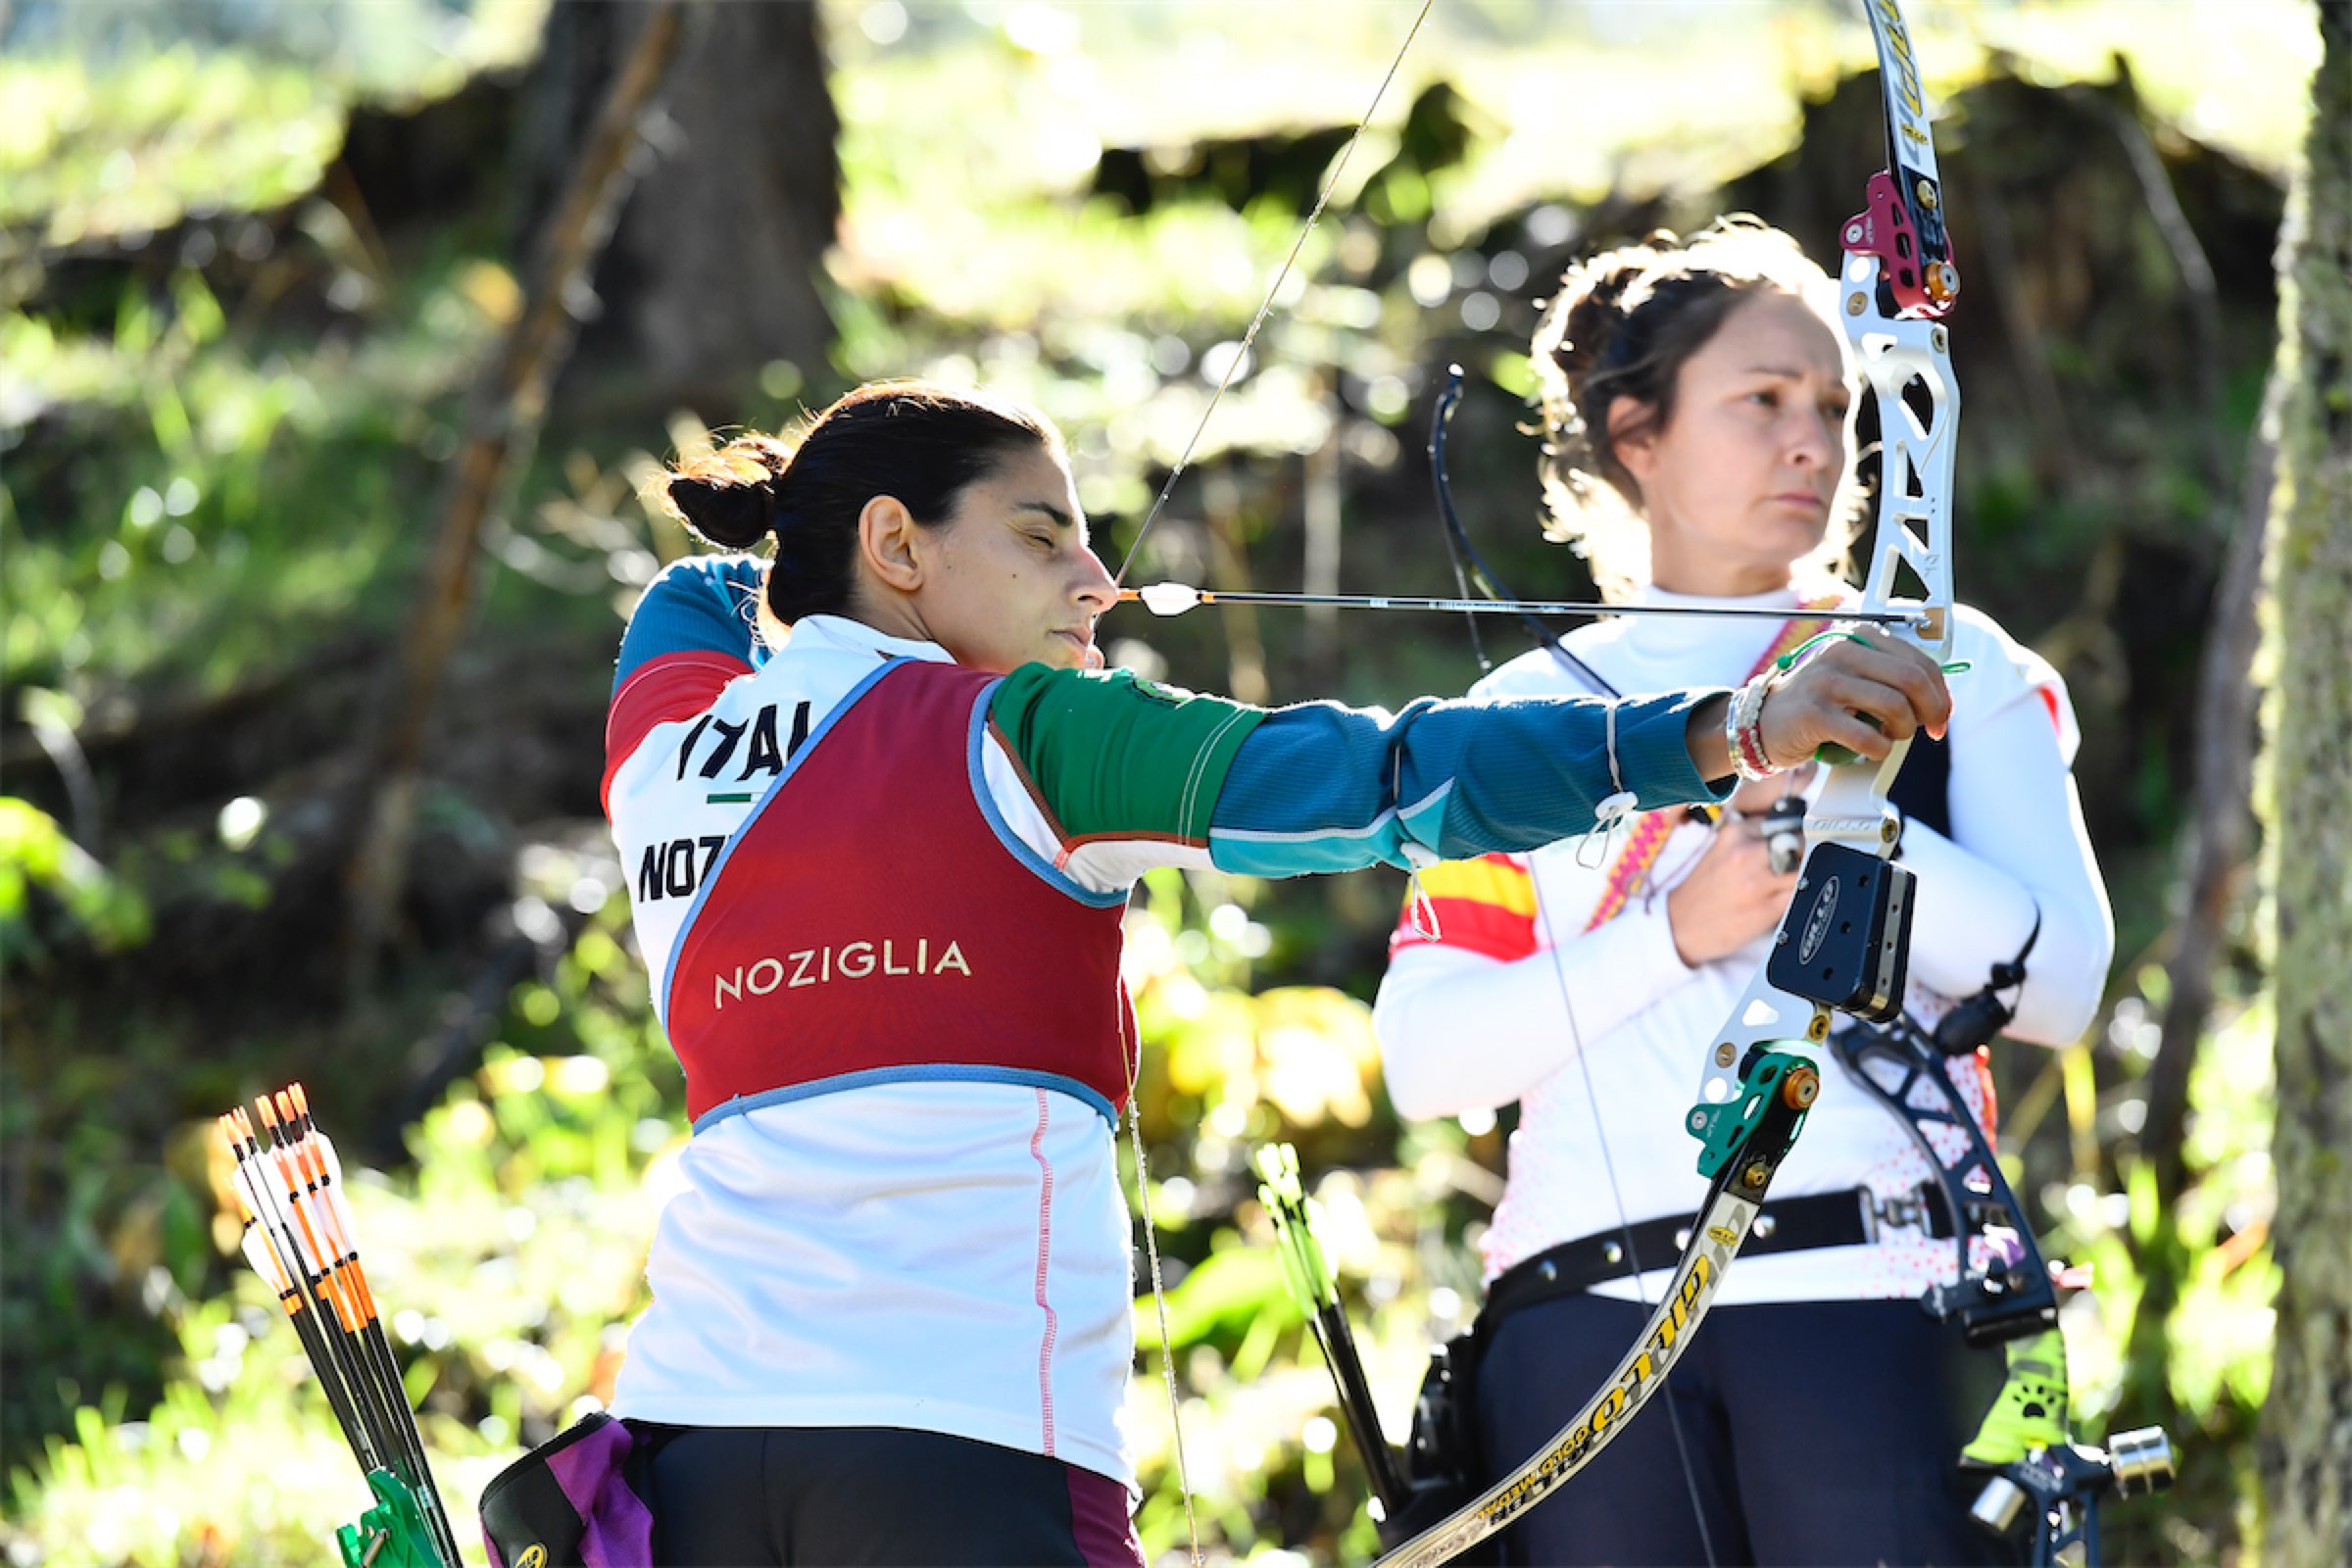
(1532, 607)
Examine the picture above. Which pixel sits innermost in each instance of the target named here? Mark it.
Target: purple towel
(609, 1526)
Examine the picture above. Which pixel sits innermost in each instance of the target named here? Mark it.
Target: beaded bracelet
(1743, 728)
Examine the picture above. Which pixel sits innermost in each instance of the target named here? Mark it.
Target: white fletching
(1168, 598)
(264, 1260)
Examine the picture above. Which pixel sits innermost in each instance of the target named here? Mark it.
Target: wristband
(1743, 728)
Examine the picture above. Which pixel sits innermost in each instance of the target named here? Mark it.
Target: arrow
(298, 1238)
(1175, 597)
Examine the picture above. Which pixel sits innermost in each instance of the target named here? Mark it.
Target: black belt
(1849, 1218)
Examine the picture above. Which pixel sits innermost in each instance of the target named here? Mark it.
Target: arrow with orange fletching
(298, 1235)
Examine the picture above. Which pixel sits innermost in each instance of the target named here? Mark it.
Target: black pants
(1818, 1435)
(751, 1496)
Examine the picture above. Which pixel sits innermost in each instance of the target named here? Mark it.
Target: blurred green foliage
(124, 150)
(37, 859)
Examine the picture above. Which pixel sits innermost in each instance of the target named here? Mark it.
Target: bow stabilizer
(2004, 1290)
(2037, 1468)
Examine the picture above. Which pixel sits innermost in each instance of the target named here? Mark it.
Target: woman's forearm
(1711, 752)
(1459, 1031)
(1318, 787)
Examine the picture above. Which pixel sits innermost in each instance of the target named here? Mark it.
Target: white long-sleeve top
(1462, 1030)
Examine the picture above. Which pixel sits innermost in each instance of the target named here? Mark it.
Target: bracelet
(1743, 728)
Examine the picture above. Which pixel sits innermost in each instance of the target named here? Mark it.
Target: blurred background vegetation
(254, 254)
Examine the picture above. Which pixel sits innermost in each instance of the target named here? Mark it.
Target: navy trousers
(1813, 1435)
(749, 1497)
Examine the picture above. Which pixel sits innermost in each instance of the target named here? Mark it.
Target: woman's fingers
(1915, 674)
(1840, 726)
(1819, 714)
(1864, 693)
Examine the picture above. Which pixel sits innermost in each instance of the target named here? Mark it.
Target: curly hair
(1622, 325)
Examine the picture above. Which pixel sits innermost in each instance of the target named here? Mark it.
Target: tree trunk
(2306, 1449)
(713, 272)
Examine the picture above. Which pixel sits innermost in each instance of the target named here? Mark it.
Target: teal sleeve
(702, 604)
(1324, 788)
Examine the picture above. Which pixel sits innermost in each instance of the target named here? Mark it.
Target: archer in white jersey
(1696, 449)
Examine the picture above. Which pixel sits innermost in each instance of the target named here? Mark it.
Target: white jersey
(805, 1272)
(1461, 1029)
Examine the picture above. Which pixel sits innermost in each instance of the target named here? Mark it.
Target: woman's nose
(1816, 439)
(1096, 587)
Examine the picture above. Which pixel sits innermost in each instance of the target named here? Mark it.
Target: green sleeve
(1108, 754)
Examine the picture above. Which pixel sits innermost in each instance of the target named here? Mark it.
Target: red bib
(871, 921)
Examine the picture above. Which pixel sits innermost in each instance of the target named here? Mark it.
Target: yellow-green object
(391, 1534)
(2031, 1410)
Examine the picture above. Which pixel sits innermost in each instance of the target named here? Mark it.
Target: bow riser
(1907, 361)
(1913, 532)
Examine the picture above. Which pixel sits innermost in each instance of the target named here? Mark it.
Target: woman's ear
(1634, 436)
(888, 538)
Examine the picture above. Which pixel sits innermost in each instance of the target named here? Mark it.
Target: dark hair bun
(730, 515)
(920, 443)
(1595, 295)
(728, 496)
